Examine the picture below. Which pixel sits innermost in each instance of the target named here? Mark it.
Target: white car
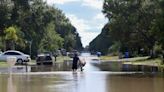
(21, 57)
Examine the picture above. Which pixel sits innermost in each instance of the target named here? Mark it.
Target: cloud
(51, 2)
(88, 27)
(82, 27)
(81, 24)
(88, 30)
(99, 16)
(87, 37)
(99, 20)
(95, 4)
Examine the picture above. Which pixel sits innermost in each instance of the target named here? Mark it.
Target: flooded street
(92, 79)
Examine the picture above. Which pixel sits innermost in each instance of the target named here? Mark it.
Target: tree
(70, 42)
(33, 20)
(158, 27)
(51, 40)
(10, 38)
(5, 15)
(130, 23)
(102, 42)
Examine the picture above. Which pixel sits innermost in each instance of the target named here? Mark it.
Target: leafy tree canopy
(42, 26)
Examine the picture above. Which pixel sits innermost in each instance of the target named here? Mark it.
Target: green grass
(115, 58)
(62, 58)
(135, 60)
(59, 59)
(162, 66)
(155, 62)
(109, 58)
(32, 62)
(3, 64)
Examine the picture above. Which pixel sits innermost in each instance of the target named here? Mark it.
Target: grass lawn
(135, 60)
(58, 59)
(62, 58)
(156, 62)
(109, 58)
(3, 64)
(115, 58)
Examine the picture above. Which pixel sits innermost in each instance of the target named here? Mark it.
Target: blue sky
(85, 15)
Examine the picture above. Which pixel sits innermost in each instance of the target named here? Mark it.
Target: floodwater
(92, 79)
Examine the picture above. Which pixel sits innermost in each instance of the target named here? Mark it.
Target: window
(12, 53)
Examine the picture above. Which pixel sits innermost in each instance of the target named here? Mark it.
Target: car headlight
(28, 58)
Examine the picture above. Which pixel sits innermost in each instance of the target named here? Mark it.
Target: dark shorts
(74, 66)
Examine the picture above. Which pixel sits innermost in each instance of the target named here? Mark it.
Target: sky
(85, 15)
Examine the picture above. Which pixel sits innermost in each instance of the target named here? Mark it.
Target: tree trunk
(10, 45)
(152, 53)
(163, 57)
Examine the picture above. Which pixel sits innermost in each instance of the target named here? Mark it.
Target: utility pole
(30, 43)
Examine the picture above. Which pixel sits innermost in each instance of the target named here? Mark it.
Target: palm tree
(10, 38)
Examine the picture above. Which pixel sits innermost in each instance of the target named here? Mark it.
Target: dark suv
(44, 59)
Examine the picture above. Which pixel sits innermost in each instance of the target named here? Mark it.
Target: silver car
(21, 57)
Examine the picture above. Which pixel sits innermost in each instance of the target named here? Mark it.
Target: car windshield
(44, 58)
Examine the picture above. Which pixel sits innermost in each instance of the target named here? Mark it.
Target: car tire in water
(19, 61)
(38, 64)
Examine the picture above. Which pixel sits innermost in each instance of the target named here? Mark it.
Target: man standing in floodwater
(75, 62)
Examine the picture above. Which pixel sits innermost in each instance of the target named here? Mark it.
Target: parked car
(72, 53)
(21, 57)
(44, 59)
(63, 52)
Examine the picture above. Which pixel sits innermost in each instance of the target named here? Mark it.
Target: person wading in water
(75, 62)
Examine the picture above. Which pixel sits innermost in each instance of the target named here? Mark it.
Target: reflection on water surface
(81, 82)
(59, 78)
